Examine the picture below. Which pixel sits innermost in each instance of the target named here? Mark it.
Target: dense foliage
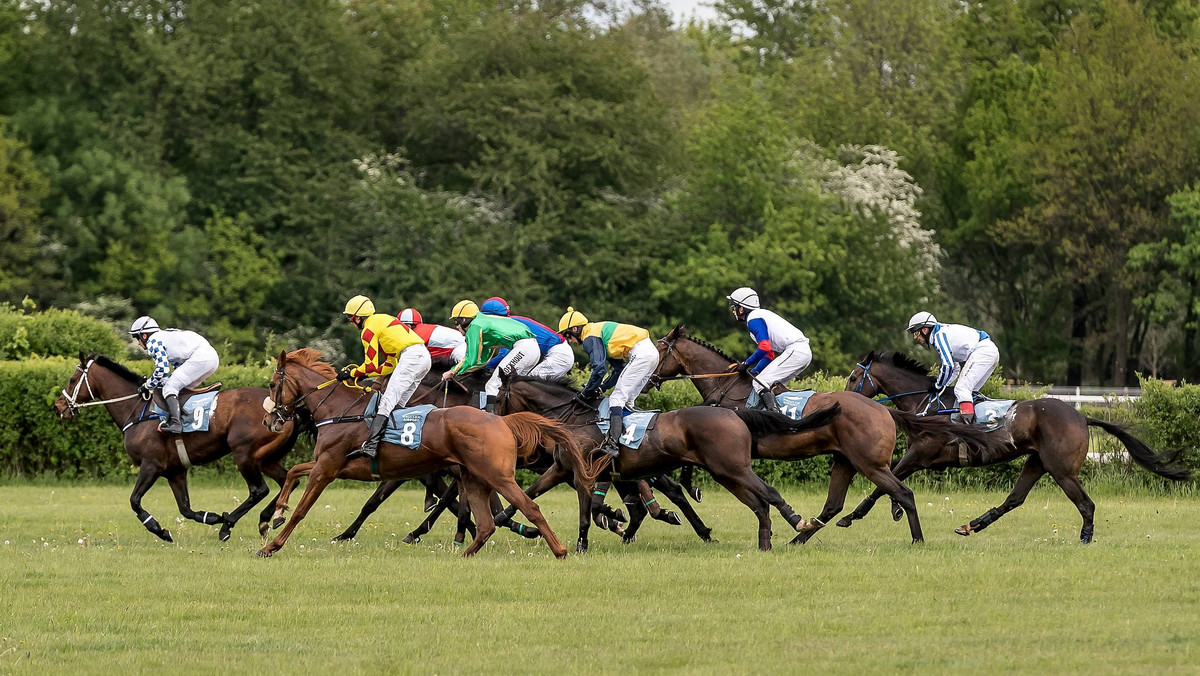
(243, 167)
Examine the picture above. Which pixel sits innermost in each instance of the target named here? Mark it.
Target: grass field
(87, 590)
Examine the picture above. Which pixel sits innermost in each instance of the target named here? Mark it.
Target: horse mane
(556, 382)
(116, 368)
(900, 361)
(680, 331)
(307, 356)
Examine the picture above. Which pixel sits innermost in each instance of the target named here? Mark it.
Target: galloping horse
(484, 446)
(716, 439)
(234, 428)
(861, 439)
(1051, 432)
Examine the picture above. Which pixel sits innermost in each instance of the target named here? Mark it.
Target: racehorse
(719, 440)
(1050, 432)
(861, 439)
(484, 446)
(234, 428)
(636, 495)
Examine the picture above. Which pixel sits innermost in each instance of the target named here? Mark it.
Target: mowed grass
(87, 590)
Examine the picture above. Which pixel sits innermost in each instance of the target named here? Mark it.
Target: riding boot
(612, 445)
(490, 406)
(370, 447)
(766, 401)
(966, 411)
(174, 423)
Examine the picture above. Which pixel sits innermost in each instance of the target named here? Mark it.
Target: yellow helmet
(572, 319)
(464, 309)
(359, 306)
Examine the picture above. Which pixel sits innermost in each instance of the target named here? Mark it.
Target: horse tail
(768, 423)
(532, 432)
(1162, 465)
(940, 427)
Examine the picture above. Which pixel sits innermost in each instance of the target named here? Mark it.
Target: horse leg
(906, 467)
(776, 500)
(528, 532)
(464, 523)
(382, 493)
(1030, 473)
(743, 488)
(598, 495)
(434, 487)
(585, 521)
(278, 474)
(178, 484)
(294, 475)
(513, 493)
(476, 494)
(448, 500)
(258, 491)
(686, 481)
(1087, 509)
(320, 475)
(840, 477)
(883, 478)
(147, 475)
(674, 492)
(631, 496)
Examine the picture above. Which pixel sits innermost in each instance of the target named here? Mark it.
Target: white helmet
(744, 297)
(921, 320)
(143, 324)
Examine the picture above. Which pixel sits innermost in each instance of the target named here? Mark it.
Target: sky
(683, 9)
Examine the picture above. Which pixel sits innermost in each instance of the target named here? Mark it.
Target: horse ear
(82, 357)
(282, 356)
(681, 331)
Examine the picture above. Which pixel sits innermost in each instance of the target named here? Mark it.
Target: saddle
(186, 393)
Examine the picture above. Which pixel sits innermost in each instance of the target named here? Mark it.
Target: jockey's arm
(598, 356)
(473, 359)
(764, 354)
(949, 370)
(162, 366)
(613, 375)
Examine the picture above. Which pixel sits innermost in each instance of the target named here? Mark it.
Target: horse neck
(324, 405)
(698, 360)
(530, 397)
(892, 380)
(112, 386)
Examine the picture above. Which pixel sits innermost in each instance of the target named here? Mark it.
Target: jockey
(783, 350)
(966, 354)
(390, 348)
(188, 352)
(486, 333)
(557, 357)
(633, 356)
(442, 341)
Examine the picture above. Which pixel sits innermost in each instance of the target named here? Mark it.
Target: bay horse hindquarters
(1050, 432)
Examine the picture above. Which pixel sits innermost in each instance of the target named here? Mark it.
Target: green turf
(86, 589)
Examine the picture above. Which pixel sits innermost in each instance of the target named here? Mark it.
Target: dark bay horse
(234, 428)
(1050, 432)
(637, 496)
(484, 447)
(862, 439)
(717, 439)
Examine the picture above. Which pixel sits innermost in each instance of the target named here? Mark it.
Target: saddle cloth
(196, 410)
(634, 428)
(791, 403)
(404, 424)
(992, 415)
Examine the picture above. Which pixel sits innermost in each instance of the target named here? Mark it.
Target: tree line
(241, 168)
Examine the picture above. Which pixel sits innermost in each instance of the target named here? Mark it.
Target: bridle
(866, 377)
(287, 412)
(72, 398)
(657, 381)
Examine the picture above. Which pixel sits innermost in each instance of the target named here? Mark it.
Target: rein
(658, 380)
(287, 412)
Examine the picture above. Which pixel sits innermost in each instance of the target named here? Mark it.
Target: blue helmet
(495, 306)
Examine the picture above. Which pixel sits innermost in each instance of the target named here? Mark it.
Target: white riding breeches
(556, 363)
(977, 369)
(639, 366)
(784, 367)
(202, 364)
(411, 366)
(520, 360)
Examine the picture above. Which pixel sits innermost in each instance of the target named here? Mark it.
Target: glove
(144, 389)
(345, 374)
(588, 396)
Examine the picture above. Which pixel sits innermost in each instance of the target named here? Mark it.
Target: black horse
(1050, 432)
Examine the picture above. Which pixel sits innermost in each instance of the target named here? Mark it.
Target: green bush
(34, 442)
(55, 332)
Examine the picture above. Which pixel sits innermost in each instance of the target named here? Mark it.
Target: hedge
(56, 332)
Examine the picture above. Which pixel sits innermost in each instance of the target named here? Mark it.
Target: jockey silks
(383, 339)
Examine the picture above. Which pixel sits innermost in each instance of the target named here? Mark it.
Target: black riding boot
(174, 423)
(370, 447)
(612, 445)
(490, 405)
(766, 401)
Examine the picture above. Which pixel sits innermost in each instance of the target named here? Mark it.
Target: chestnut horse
(862, 439)
(234, 428)
(1050, 432)
(485, 447)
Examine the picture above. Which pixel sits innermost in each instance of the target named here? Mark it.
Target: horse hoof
(673, 519)
(918, 541)
(1085, 539)
(342, 538)
(263, 553)
(264, 527)
(897, 513)
(411, 539)
(844, 522)
(695, 493)
(457, 543)
(277, 522)
(581, 547)
(224, 535)
(628, 540)
(619, 516)
(963, 530)
(165, 535)
(602, 521)
(530, 533)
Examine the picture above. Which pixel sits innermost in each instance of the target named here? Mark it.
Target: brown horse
(1050, 432)
(234, 428)
(861, 439)
(719, 440)
(484, 447)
